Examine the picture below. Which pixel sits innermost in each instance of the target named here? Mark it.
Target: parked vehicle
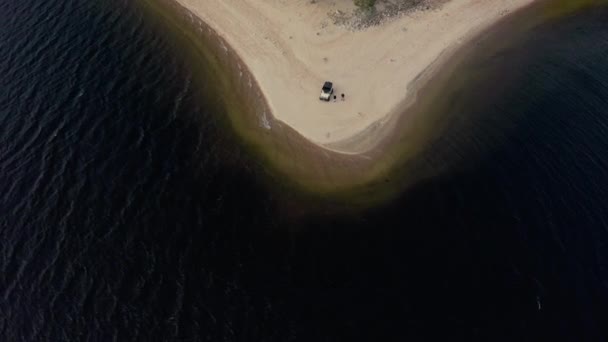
(326, 91)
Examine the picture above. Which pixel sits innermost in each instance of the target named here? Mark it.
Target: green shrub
(365, 4)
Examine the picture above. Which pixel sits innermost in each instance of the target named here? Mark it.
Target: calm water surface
(128, 212)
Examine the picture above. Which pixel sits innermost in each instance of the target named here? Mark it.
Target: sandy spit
(291, 47)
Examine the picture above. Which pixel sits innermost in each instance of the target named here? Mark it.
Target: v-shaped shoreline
(291, 48)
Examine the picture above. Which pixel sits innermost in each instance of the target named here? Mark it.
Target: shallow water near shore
(130, 210)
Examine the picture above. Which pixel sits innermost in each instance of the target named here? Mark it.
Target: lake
(130, 210)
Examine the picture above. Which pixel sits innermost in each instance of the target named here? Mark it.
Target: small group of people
(335, 97)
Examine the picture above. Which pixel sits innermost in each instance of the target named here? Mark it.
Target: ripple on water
(128, 212)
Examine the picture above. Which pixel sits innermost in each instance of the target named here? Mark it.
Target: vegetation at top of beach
(365, 4)
(394, 5)
(375, 12)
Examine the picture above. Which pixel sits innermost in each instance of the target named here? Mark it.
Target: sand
(292, 47)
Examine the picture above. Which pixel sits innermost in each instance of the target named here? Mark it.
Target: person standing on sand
(342, 96)
(334, 98)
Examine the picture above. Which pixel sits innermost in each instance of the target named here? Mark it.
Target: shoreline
(400, 157)
(285, 69)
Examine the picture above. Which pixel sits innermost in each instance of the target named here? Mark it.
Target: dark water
(128, 212)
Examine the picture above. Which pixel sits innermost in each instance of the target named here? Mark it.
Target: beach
(143, 199)
(292, 47)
